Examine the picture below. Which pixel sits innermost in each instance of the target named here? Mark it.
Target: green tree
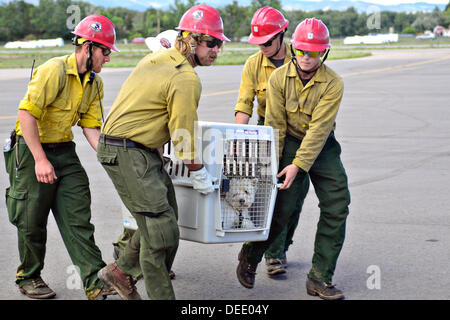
(236, 20)
(256, 4)
(15, 19)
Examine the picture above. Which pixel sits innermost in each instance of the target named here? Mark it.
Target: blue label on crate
(247, 132)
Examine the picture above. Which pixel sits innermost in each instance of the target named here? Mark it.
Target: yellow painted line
(218, 93)
(7, 117)
(404, 66)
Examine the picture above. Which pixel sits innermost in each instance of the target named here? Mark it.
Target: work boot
(37, 289)
(274, 266)
(101, 294)
(113, 276)
(246, 272)
(324, 290)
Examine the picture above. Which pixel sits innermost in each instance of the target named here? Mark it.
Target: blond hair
(186, 45)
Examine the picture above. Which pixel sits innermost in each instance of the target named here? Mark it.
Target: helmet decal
(203, 19)
(310, 35)
(197, 15)
(96, 26)
(255, 28)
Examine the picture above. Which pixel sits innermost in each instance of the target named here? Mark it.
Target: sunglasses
(269, 43)
(312, 54)
(213, 42)
(105, 51)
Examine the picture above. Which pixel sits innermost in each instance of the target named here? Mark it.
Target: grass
(233, 53)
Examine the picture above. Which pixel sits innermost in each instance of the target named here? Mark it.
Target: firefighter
(164, 40)
(302, 103)
(44, 170)
(157, 102)
(268, 27)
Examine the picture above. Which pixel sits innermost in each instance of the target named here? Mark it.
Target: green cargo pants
(330, 184)
(147, 191)
(278, 248)
(29, 203)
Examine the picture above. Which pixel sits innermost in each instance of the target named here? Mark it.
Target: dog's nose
(241, 201)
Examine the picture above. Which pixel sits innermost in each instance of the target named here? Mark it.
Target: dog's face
(242, 193)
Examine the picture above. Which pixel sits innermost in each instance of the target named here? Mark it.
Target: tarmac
(394, 130)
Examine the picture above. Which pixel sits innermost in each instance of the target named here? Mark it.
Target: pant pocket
(107, 158)
(16, 202)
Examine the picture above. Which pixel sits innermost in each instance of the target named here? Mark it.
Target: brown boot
(323, 290)
(114, 277)
(246, 272)
(274, 266)
(37, 289)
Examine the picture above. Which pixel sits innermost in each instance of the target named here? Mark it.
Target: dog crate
(243, 160)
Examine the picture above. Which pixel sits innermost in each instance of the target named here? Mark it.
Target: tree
(15, 20)
(236, 20)
(425, 21)
(256, 4)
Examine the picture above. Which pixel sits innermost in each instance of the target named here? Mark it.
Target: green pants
(129, 244)
(330, 184)
(147, 191)
(29, 203)
(278, 248)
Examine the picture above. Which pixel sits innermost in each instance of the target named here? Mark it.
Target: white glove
(202, 181)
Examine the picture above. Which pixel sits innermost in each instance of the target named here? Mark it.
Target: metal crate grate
(246, 185)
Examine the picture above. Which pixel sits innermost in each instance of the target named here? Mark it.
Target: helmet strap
(280, 44)
(89, 62)
(197, 60)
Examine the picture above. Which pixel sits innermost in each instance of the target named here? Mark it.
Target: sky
(389, 2)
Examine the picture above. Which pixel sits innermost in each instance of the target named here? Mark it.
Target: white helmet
(156, 43)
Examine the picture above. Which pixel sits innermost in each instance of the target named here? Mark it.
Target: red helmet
(97, 28)
(266, 23)
(311, 35)
(203, 19)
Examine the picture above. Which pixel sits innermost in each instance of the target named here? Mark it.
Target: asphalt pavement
(394, 129)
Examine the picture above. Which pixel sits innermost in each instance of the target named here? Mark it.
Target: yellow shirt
(256, 72)
(58, 100)
(158, 102)
(307, 113)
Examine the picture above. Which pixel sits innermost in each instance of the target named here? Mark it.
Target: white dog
(238, 200)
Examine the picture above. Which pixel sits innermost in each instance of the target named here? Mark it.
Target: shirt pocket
(309, 102)
(261, 95)
(59, 113)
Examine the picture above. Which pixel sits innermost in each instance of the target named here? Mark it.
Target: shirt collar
(320, 75)
(178, 58)
(266, 61)
(72, 65)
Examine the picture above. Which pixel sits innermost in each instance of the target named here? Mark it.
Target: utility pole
(158, 22)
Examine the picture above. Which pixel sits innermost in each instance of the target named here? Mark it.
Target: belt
(123, 142)
(56, 145)
(53, 145)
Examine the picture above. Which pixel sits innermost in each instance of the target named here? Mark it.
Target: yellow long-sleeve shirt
(158, 102)
(58, 100)
(304, 112)
(256, 73)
